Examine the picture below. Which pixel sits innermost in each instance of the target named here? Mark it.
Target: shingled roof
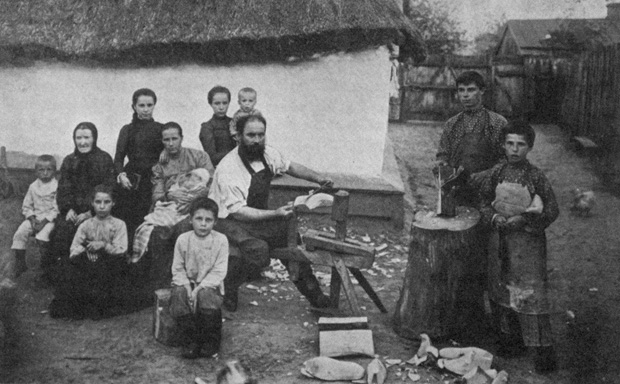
(157, 31)
(533, 33)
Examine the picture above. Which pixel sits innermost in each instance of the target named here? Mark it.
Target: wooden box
(165, 329)
(345, 336)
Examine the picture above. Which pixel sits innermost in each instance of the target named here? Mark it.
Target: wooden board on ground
(165, 328)
(345, 336)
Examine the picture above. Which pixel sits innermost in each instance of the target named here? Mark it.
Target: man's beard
(253, 151)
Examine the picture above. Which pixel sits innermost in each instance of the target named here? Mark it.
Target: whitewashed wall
(329, 114)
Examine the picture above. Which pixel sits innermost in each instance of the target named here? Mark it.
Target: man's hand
(71, 216)
(193, 298)
(285, 210)
(325, 182)
(515, 223)
(95, 246)
(92, 256)
(499, 222)
(123, 180)
(82, 217)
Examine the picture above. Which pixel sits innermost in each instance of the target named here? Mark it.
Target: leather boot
(210, 331)
(544, 361)
(237, 274)
(308, 285)
(20, 262)
(187, 331)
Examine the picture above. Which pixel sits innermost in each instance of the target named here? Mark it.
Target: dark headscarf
(91, 127)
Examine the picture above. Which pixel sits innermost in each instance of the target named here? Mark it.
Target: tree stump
(443, 286)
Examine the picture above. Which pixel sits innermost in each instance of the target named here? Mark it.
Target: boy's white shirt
(200, 260)
(40, 200)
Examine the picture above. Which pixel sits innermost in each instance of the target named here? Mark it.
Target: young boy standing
(215, 133)
(96, 252)
(247, 101)
(518, 203)
(199, 266)
(40, 209)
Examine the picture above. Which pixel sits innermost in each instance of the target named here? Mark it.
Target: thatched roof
(158, 31)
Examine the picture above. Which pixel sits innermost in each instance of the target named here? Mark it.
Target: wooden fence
(531, 87)
(591, 107)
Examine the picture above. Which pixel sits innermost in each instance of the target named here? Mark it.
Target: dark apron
(258, 194)
(518, 265)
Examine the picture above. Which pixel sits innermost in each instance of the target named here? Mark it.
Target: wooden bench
(336, 251)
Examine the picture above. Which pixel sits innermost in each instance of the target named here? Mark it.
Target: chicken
(234, 373)
(583, 202)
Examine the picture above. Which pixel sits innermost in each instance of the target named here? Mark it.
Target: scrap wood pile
(451, 365)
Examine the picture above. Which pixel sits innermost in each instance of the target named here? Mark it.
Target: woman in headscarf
(82, 170)
(139, 142)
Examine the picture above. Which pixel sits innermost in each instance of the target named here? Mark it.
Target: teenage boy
(472, 138)
(199, 266)
(40, 210)
(215, 134)
(518, 203)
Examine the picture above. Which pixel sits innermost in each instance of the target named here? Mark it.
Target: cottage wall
(330, 113)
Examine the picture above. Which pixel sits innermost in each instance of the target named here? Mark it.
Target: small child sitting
(96, 255)
(519, 204)
(40, 209)
(215, 134)
(199, 266)
(247, 101)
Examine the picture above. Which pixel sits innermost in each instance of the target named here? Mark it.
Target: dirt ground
(274, 332)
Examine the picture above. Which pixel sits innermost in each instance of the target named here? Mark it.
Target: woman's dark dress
(141, 143)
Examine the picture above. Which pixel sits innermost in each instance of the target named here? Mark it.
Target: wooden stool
(165, 329)
(335, 251)
(441, 281)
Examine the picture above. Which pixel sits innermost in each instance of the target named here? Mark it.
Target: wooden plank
(347, 285)
(368, 288)
(321, 257)
(327, 241)
(346, 343)
(165, 328)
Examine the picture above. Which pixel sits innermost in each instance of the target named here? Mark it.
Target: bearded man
(241, 187)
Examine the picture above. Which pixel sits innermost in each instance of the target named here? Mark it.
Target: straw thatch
(160, 31)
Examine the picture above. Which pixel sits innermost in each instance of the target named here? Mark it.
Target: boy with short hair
(472, 138)
(247, 101)
(215, 134)
(40, 209)
(518, 203)
(96, 253)
(199, 266)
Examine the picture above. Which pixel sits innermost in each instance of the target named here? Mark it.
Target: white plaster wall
(329, 114)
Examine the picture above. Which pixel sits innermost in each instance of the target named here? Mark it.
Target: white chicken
(583, 202)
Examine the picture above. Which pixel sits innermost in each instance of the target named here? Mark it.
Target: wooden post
(3, 161)
(442, 287)
(340, 211)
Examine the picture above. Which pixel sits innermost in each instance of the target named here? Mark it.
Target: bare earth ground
(278, 334)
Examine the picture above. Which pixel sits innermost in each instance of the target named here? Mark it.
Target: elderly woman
(82, 170)
(140, 143)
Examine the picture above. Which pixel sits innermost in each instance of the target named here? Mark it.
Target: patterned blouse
(470, 121)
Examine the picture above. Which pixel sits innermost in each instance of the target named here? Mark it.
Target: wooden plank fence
(591, 107)
(531, 87)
